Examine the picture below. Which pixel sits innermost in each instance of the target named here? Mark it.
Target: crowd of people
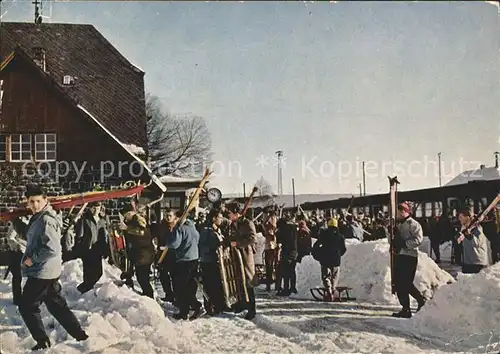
(186, 254)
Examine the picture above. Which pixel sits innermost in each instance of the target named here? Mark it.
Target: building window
(428, 209)
(438, 208)
(483, 204)
(3, 147)
(21, 147)
(172, 202)
(45, 147)
(418, 211)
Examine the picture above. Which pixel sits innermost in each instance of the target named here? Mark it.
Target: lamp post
(439, 168)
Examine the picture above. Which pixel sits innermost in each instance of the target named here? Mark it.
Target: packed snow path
(346, 326)
(120, 321)
(284, 326)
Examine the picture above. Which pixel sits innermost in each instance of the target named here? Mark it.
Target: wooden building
(72, 113)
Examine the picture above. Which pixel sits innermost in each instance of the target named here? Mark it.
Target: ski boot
(197, 313)
(421, 304)
(404, 313)
(44, 344)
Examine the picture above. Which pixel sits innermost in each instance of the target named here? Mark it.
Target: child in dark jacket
(210, 240)
(328, 250)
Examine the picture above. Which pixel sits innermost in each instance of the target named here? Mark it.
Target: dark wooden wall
(31, 105)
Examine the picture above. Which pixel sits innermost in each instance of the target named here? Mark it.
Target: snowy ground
(119, 321)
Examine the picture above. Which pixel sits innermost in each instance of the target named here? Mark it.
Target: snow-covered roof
(134, 149)
(174, 179)
(136, 67)
(155, 179)
(481, 174)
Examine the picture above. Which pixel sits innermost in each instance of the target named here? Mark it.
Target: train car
(429, 202)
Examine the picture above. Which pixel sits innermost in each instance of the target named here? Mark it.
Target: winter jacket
(87, 232)
(210, 241)
(304, 242)
(475, 248)
(410, 231)
(354, 230)
(184, 239)
(490, 231)
(140, 248)
(43, 247)
(163, 233)
(329, 248)
(269, 232)
(380, 233)
(287, 235)
(244, 234)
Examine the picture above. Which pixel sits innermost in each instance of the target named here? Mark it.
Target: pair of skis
(478, 219)
(68, 201)
(195, 197)
(393, 202)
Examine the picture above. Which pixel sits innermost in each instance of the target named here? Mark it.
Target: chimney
(482, 167)
(496, 158)
(39, 57)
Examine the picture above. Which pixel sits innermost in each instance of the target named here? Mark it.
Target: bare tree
(178, 145)
(265, 188)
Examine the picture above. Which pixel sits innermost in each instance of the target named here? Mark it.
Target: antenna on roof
(38, 16)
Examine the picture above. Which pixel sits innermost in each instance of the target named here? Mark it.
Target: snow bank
(365, 268)
(112, 316)
(466, 312)
(445, 250)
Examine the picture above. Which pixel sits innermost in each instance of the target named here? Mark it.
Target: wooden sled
(319, 293)
(233, 277)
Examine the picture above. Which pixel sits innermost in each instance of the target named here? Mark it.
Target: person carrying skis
(41, 263)
(328, 251)
(269, 226)
(89, 246)
(184, 239)
(210, 240)
(408, 237)
(141, 250)
(304, 242)
(287, 238)
(353, 228)
(475, 245)
(244, 237)
(166, 267)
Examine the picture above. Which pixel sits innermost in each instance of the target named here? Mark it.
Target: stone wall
(15, 176)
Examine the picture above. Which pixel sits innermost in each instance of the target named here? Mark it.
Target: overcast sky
(329, 84)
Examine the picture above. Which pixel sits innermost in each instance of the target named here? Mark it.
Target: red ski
(67, 201)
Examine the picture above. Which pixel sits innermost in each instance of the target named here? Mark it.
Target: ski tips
(393, 180)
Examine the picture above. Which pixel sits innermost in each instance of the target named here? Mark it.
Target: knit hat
(404, 207)
(333, 222)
